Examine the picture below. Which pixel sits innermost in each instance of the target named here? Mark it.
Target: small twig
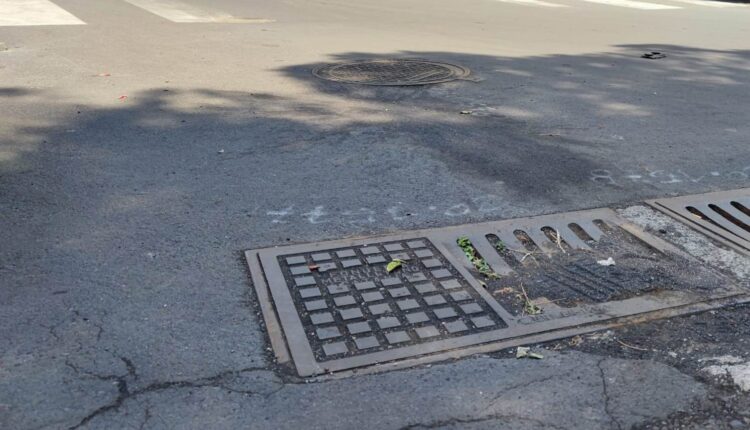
(630, 346)
(558, 239)
(526, 254)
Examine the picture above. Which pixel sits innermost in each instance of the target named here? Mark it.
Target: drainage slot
(724, 216)
(603, 226)
(526, 241)
(580, 232)
(700, 215)
(504, 251)
(476, 259)
(729, 217)
(742, 208)
(556, 238)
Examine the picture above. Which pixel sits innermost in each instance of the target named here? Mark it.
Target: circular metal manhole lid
(394, 72)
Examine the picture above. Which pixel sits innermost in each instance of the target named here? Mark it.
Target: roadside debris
(605, 336)
(626, 345)
(500, 246)
(393, 265)
(524, 352)
(608, 262)
(525, 253)
(529, 308)
(479, 263)
(653, 55)
(558, 241)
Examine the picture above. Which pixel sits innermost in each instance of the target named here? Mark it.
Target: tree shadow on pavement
(543, 125)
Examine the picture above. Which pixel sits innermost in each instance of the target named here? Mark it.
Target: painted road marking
(177, 11)
(34, 12)
(539, 3)
(634, 4)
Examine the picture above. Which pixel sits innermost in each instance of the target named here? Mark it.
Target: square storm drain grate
(724, 216)
(333, 306)
(350, 306)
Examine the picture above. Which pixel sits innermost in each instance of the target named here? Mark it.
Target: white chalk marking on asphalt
(34, 12)
(177, 11)
(533, 3)
(634, 4)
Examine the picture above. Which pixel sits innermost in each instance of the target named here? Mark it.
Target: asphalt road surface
(144, 144)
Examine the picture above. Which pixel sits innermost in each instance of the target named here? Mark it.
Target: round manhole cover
(392, 72)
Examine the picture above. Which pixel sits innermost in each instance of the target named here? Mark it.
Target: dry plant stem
(630, 346)
(558, 240)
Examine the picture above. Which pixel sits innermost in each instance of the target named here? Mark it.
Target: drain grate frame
(724, 216)
(293, 336)
(392, 72)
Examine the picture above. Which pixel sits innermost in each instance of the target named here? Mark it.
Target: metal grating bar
(511, 241)
(591, 229)
(570, 237)
(541, 240)
(490, 255)
(738, 214)
(715, 226)
(723, 222)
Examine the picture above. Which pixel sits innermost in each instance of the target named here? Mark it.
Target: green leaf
(393, 265)
(531, 308)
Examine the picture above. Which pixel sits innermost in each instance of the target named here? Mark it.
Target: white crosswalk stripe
(45, 12)
(34, 12)
(174, 10)
(533, 3)
(634, 4)
(177, 11)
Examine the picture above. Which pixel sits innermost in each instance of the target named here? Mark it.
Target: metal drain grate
(724, 216)
(392, 72)
(334, 307)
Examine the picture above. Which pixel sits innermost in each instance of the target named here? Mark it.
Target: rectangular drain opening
(723, 216)
(335, 306)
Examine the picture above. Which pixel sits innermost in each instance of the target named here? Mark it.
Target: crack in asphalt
(605, 393)
(483, 417)
(515, 387)
(128, 365)
(124, 393)
(146, 417)
(456, 420)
